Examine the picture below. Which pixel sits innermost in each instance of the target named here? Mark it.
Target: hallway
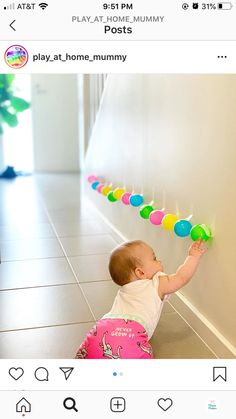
(54, 280)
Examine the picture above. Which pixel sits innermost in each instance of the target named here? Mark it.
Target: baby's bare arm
(171, 283)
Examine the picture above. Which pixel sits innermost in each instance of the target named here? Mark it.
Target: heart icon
(165, 404)
(16, 373)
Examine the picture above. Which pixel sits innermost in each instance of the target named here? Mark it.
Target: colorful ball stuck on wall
(106, 189)
(94, 185)
(92, 178)
(156, 217)
(126, 198)
(169, 221)
(145, 211)
(136, 200)
(200, 231)
(118, 192)
(99, 187)
(182, 228)
(110, 196)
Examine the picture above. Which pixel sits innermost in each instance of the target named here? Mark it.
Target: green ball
(200, 231)
(145, 211)
(111, 197)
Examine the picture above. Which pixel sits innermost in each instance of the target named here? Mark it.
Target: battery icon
(226, 5)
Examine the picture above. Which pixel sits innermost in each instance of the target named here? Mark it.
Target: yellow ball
(168, 221)
(118, 192)
(105, 190)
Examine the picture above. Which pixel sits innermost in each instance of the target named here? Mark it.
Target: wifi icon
(43, 5)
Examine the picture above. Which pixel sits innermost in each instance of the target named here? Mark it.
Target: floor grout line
(53, 257)
(39, 286)
(14, 239)
(45, 327)
(54, 285)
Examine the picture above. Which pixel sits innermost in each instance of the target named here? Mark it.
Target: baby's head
(133, 260)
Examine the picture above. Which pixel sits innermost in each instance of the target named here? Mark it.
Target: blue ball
(94, 185)
(136, 200)
(182, 228)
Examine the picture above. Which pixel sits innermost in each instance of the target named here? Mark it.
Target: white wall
(55, 122)
(90, 89)
(173, 136)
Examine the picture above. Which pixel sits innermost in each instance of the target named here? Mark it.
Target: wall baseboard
(215, 341)
(211, 337)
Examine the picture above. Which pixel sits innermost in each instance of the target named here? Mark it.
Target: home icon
(23, 406)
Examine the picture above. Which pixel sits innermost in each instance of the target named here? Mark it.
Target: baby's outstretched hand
(197, 248)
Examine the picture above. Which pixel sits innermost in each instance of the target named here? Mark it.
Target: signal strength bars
(9, 7)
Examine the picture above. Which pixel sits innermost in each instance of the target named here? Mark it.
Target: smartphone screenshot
(117, 209)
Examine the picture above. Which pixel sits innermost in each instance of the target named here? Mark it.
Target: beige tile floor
(54, 280)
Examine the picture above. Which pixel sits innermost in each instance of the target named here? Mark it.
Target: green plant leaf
(10, 105)
(9, 78)
(6, 80)
(4, 95)
(1, 129)
(9, 118)
(19, 104)
(2, 79)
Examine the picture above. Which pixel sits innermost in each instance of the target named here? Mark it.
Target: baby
(125, 331)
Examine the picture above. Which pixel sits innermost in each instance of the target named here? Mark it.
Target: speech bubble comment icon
(41, 374)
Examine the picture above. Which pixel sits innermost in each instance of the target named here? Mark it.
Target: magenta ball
(125, 198)
(92, 178)
(156, 217)
(99, 187)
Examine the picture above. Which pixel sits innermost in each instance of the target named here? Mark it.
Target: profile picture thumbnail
(16, 56)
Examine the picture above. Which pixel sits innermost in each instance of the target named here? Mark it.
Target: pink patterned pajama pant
(115, 338)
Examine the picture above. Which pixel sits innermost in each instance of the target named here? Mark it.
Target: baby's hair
(122, 262)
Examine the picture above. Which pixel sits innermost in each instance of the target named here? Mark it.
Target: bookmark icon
(67, 371)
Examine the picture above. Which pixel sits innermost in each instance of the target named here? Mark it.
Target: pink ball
(125, 198)
(156, 217)
(100, 186)
(92, 178)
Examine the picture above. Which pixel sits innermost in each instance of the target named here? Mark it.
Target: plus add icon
(117, 404)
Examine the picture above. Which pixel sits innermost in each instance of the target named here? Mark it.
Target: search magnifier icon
(70, 404)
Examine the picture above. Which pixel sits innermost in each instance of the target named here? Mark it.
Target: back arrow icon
(12, 24)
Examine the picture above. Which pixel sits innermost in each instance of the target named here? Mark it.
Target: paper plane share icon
(67, 371)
